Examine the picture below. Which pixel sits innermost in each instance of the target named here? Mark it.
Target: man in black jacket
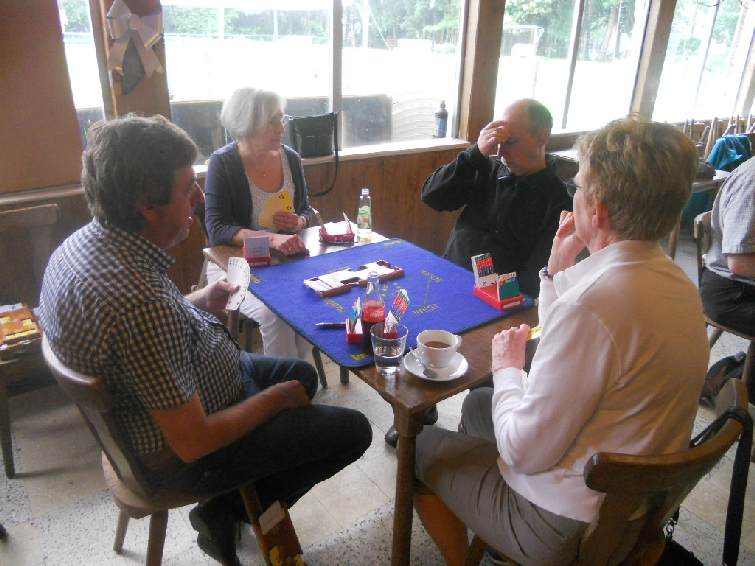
(511, 205)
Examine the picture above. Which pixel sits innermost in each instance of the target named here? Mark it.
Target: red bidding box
(489, 294)
(356, 337)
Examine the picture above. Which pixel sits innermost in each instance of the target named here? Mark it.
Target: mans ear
(149, 213)
(542, 136)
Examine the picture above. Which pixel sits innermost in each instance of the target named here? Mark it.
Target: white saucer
(456, 368)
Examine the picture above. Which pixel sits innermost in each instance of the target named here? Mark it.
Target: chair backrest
(26, 240)
(96, 404)
(659, 483)
(703, 233)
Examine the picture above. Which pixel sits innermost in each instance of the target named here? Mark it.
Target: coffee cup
(436, 348)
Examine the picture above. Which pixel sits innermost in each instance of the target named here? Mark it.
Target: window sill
(376, 150)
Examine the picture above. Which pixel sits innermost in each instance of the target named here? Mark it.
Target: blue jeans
(285, 456)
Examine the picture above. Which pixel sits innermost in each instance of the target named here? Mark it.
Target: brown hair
(642, 172)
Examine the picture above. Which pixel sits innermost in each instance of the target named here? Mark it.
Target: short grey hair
(642, 172)
(540, 117)
(131, 162)
(248, 110)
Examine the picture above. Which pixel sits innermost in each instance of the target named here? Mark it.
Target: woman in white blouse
(619, 367)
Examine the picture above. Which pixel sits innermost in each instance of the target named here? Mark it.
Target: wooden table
(410, 396)
(698, 186)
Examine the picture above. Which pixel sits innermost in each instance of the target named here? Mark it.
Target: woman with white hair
(246, 181)
(619, 367)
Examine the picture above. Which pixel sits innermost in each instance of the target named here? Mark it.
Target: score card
(238, 274)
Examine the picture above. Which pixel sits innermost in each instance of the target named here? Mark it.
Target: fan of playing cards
(238, 274)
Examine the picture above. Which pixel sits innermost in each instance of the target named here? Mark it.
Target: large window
(399, 61)
(706, 54)
(534, 59)
(210, 51)
(82, 62)
(606, 63)
(585, 80)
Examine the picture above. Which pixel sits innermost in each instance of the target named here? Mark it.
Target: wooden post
(479, 72)
(652, 56)
(151, 94)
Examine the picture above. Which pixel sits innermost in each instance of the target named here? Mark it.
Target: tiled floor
(58, 511)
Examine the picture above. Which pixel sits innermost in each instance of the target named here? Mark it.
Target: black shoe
(216, 532)
(431, 417)
(391, 437)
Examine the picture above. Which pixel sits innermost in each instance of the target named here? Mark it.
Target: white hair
(249, 109)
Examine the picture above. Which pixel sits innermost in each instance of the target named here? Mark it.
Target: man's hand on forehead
(495, 133)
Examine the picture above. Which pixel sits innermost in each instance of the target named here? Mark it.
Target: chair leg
(158, 523)
(120, 531)
(344, 375)
(254, 510)
(474, 553)
(715, 336)
(6, 440)
(748, 369)
(318, 364)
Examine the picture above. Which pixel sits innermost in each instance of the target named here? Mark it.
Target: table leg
(408, 427)
(344, 376)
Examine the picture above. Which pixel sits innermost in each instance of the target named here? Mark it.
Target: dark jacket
(228, 201)
(513, 218)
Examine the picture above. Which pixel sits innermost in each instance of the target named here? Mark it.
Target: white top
(619, 368)
(733, 221)
(264, 204)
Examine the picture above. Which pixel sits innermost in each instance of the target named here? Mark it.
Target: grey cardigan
(228, 202)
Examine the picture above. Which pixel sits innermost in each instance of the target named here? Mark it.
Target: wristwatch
(544, 274)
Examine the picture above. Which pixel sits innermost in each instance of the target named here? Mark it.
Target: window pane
(81, 58)
(534, 54)
(609, 48)
(396, 75)
(679, 97)
(210, 52)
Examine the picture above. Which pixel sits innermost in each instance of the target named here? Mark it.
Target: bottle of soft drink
(364, 217)
(373, 308)
(441, 121)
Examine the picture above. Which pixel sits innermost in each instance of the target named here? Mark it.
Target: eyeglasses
(280, 120)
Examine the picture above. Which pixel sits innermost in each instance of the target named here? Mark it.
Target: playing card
(238, 274)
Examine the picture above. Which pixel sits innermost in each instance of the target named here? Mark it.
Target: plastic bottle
(441, 121)
(373, 307)
(364, 217)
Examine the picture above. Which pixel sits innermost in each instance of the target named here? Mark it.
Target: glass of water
(388, 348)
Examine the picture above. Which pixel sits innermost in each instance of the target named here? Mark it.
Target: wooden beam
(576, 31)
(99, 35)
(39, 137)
(150, 96)
(746, 91)
(479, 70)
(652, 56)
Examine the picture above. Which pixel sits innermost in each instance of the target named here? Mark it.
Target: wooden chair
(123, 473)
(26, 241)
(658, 482)
(703, 234)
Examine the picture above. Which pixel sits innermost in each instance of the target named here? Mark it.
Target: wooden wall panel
(394, 183)
(39, 136)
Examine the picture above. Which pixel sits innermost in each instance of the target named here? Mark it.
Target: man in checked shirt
(201, 416)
